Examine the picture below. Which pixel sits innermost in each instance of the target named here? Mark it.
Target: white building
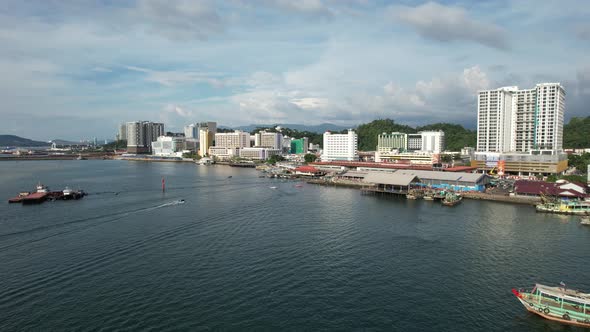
(509, 119)
(340, 146)
(433, 141)
(191, 131)
(122, 134)
(166, 146)
(258, 153)
(223, 153)
(237, 139)
(268, 140)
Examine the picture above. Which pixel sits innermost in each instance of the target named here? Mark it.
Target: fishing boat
(559, 304)
(411, 196)
(451, 199)
(565, 207)
(428, 197)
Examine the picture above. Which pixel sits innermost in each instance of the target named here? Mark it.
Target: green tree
(274, 159)
(446, 158)
(310, 157)
(552, 178)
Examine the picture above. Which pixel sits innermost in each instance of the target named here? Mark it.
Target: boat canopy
(563, 293)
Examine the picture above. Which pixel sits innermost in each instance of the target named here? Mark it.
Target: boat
(204, 161)
(565, 207)
(273, 187)
(411, 196)
(559, 304)
(68, 193)
(451, 199)
(299, 186)
(80, 157)
(42, 188)
(428, 197)
(585, 222)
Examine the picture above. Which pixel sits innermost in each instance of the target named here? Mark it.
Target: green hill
(12, 140)
(456, 136)
(576, 134)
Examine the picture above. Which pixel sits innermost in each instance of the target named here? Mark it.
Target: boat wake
(174, 203)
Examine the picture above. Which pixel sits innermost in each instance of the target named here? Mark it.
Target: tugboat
(559, 304)
(451, 199)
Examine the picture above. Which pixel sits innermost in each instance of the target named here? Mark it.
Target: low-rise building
(258, 153)
(563, 189)
(413, 158)
(223, 153)
(534, 162)
(166, 146)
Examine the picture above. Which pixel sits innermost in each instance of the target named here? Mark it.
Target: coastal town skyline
(276, 62)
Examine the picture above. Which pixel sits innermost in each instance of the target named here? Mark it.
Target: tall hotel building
(512, 120)
(521, 131)
(340, 146)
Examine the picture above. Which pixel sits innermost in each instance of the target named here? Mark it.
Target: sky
(75, 69)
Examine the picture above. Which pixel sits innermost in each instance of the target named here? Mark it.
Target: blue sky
(74, 69)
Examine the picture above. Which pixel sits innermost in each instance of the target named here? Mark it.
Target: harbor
(314, 246)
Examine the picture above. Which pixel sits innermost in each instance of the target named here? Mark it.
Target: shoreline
(533, 201)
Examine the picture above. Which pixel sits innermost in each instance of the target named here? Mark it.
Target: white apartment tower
(515, 120)
(340, 146)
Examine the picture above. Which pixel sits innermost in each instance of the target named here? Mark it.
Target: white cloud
(448, 23)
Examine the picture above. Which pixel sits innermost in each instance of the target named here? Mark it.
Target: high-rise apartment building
(141, 134)
(237, 139)
(340, 146)
(300, 145)
(515, 120)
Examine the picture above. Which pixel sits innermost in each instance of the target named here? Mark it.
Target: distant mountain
(12, 140)
(321, 128)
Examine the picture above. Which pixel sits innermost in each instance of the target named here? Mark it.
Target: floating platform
(40, 197)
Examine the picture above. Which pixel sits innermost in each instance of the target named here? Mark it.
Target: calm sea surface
(239, 255)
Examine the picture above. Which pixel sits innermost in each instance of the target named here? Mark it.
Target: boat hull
(538, 310)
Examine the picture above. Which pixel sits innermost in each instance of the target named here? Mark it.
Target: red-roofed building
(538, 188)
(308, 171)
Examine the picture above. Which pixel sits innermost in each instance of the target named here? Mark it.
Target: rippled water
(240, 255)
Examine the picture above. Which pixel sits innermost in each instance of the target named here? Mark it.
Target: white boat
(41, 188)
(273, 187)
(585, 221)
(68, 192)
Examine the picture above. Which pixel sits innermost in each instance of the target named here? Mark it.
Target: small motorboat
(273, 187)
(229, 177)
